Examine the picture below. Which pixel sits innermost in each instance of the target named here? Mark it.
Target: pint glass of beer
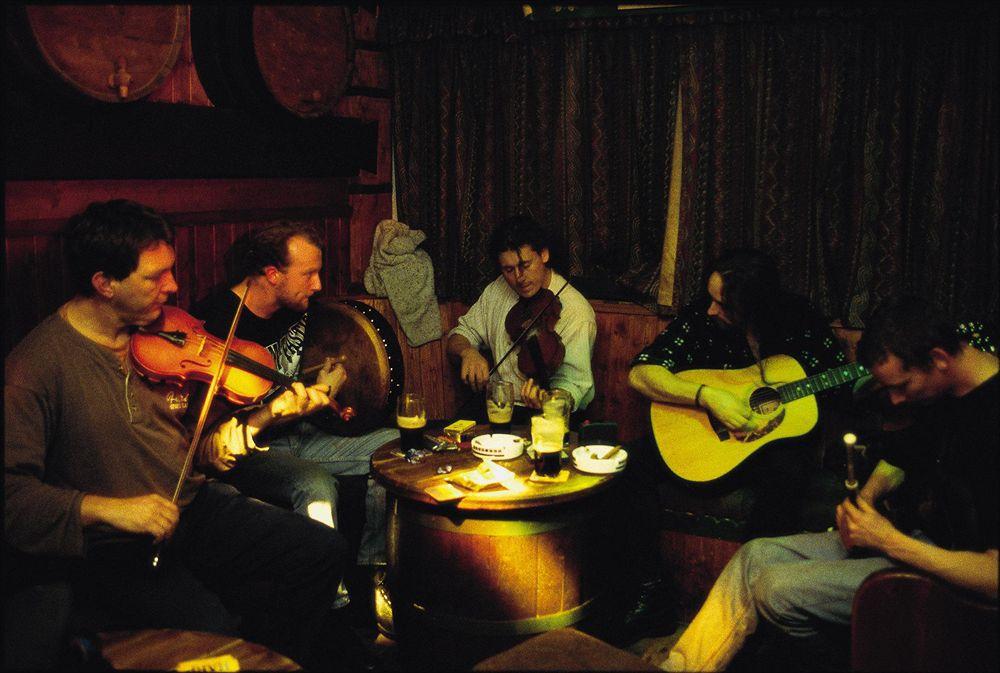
(411, 418)
(500, 405)
(547, 441)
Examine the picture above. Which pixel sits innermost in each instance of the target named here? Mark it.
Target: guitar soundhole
(765, 401)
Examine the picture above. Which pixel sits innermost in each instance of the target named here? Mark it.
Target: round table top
(409, 480)
(164, 649)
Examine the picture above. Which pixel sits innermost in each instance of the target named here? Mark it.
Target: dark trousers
(234, 566)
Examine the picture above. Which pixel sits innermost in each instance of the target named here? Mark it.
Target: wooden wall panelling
(34, 200)
(365, 24)
(184, 266)
(367, 211)
(337, 265)
(622, 331)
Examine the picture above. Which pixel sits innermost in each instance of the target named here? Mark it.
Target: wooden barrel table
(164, 649)
(471, 577)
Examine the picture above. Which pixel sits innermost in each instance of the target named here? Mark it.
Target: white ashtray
(498, 446)
(591, 459)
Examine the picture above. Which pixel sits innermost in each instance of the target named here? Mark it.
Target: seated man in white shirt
(522, 249)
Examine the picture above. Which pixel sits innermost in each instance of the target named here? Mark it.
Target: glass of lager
(411, 418)
(558, 404)
(500, 405)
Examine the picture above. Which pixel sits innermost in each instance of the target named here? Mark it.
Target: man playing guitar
(749, 318)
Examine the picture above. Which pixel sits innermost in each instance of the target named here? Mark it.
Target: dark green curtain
(857, 144)
(495, 116)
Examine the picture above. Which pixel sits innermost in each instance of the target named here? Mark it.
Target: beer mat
(558, 479)
(487, 474)
(531, 452)
(225, 662)
(444, 492)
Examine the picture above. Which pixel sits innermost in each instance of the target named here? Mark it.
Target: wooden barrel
(109, 53)
(467, 584)
(282, 58)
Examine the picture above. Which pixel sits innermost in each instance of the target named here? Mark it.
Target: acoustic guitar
(698, 447)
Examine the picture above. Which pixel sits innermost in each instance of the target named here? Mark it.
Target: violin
(177, 348)
(543, 351)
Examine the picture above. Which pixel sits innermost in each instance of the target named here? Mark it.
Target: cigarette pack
(459, 429)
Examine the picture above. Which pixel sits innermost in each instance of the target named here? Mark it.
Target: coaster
(444, 492)
(226, 662)
(559, 478)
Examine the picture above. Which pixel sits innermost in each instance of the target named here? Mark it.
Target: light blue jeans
(300, 468)
(796, 582)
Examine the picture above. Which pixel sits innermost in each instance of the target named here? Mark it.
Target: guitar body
(698, 448)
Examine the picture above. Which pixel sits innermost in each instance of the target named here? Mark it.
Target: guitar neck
(820, 382)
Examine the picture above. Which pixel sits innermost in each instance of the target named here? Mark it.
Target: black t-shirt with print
(283, 334)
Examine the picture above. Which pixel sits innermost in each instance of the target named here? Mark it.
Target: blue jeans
(796, 582)
(299, 471)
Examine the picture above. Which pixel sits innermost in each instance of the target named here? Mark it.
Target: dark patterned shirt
(693, 340)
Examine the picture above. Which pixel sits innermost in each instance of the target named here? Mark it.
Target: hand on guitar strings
(298, 401)
(733, 412)
(861, 525)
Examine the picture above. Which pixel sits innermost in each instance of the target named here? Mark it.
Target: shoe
(383, 607)
(652, 612)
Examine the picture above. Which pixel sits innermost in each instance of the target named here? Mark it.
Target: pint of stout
(547, 441)
(411, 418)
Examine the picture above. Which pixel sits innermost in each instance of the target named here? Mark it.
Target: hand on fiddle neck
(532, 395)
(291, 405)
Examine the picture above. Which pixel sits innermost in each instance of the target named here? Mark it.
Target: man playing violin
(94, 453)
(279, 267)
(523, 250)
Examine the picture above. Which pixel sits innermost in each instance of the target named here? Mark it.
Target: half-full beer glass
(500, 405)
(411, 418)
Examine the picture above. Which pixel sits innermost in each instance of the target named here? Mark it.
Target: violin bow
(213, 387)
(515, 343)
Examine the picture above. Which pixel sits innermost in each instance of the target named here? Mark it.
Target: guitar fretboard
(820, 382)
